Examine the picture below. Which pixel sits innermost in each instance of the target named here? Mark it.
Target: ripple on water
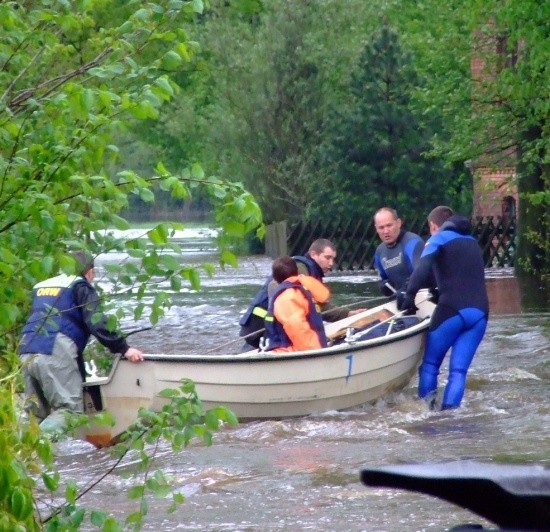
(511, 374)
(302, 474)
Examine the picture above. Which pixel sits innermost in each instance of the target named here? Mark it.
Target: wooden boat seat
(381, 315)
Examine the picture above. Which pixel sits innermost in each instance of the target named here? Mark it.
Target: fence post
(275, 239)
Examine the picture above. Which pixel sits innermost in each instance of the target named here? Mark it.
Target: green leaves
(104, 522)
(136, 492)
(171, 60)
(20, 504)
(74, 74)
(159, 485)
(51, 481)
(198, 6)
(180, 420)
(159, 234)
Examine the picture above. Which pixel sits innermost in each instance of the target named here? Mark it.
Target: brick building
(495, 190)
(495, 193)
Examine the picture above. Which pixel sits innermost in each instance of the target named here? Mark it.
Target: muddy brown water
(303, 474)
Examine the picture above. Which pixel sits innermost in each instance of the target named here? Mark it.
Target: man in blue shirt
(398, 253)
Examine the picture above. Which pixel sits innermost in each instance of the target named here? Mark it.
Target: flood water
(303, 474)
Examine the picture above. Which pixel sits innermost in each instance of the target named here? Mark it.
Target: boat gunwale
(251, 357)
(265, 356)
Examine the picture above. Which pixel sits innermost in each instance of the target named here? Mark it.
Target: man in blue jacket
(63, 316)
(397, 254)
(318, 261)
(460, 318)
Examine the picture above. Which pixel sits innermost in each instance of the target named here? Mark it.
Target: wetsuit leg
(438, 342)
(462, 354)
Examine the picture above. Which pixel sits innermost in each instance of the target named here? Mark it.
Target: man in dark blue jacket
(64, 314)
(397, 254)
(460, 318)
(318, 261)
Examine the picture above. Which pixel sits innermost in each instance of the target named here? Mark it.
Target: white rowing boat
(261, 385)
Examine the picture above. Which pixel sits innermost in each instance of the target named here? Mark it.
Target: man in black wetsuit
(460, 318)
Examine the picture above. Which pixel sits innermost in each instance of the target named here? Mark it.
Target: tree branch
(16, 104)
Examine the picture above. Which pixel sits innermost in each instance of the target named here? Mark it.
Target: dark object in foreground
(511, 496)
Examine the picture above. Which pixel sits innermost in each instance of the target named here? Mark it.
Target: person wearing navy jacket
(397, 254)
(317, 262)
(460, 317)
(64, 314)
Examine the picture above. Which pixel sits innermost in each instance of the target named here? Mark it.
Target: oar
(390, 287)
(137, 331)
(361, 322)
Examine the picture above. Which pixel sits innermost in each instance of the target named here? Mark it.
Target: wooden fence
(356, 240)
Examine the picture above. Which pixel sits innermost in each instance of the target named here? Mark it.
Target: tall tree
(69, 78)
(503, 111)
(376, 145)
(514, 101)
(269, 109)
(272, 72)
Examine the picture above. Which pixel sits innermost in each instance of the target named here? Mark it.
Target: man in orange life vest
(317, 262)
(293, 322)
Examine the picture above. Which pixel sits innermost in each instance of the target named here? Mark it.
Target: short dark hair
(393, 212)
(319, 245)
(440, 215)
(84, 262)
(283, 268)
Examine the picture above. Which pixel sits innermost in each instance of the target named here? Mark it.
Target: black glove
(433, 295)
(407, 305)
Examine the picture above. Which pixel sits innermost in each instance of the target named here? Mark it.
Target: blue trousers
(462, 333)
